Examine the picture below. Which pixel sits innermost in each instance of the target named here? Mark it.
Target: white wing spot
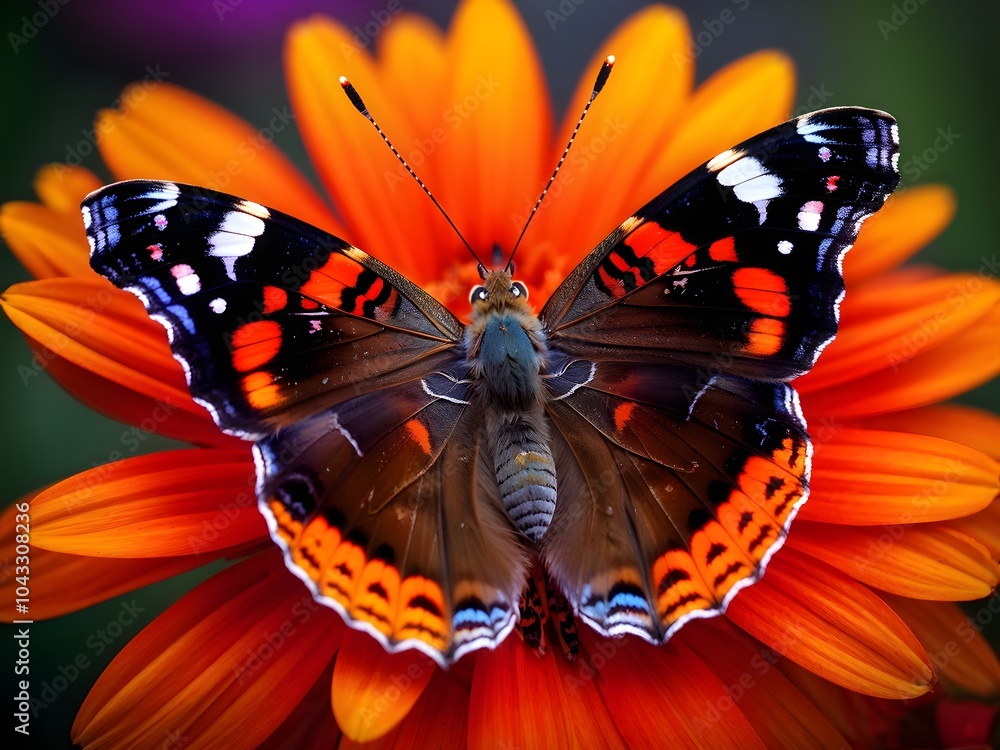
(785, 247)
(188, 281)
(218, 305)
(809, 215)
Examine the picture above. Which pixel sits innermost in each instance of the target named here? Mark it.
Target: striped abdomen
(526, 473)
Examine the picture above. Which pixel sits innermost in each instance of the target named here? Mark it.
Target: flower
(854, 611)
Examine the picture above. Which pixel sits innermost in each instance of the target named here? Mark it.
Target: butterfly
(638, 434)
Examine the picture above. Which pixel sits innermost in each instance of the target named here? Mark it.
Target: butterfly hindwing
(681, 455)
(736, 268)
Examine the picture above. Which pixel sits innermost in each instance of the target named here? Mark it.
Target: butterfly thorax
(506, 351)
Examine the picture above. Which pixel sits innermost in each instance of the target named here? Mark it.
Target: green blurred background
(931, 64)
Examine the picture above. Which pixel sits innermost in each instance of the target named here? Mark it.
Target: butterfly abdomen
(525, 470)
(506, 350)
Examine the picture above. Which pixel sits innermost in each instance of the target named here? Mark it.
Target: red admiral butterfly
(638, 434)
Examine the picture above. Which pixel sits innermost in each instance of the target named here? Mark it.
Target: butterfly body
(506, 351)
(638, 435)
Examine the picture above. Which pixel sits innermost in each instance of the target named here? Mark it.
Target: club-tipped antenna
(602, 78)
(359, 104)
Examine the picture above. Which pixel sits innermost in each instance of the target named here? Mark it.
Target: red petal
(830, 624)
(664, 696)
(222, 667)
(373, 690)
(310, 726)
(780, 714)
(521, 700)
(160, 505)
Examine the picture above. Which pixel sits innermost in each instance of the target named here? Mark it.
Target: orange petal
(780, 715)
(310, 725)
(521, 700)
(385, 212)
(628, 125)
(868, 477)
(373, 690)
(165, 132)
(61, 583)
(906, 342)
(907, 222)
(955, 644)
(47, 244)
(663, 696)
(827, 622)
(498, 123)
(105, 331)
(924, 561)
(746, 97)
(961, 424)
(63, 188)
(222, 667)
(412, 62)
(983, 526)
(160, 505)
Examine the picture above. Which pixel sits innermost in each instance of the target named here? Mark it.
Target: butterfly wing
(682, 452)
(351, 381)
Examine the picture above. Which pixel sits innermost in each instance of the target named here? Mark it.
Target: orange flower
(900, 522)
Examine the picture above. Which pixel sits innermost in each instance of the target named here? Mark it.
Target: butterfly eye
(478, 293)
(519, 290)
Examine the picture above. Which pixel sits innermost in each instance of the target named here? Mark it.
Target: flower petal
(963, 657)
(439, 719)
(627, 127)
(413, 65)
(152, 138)
(521, 700)
(906, 341)
(310, 725)
(105, 331)
(961, 424)
(160, 505)
(358, 171)
(664, 696)
(983, 526)
(868, 477)
(222, 667)
(922, 561)
(494, 160)
(827, 622)
(63, 188)
(907, 222)
(780, 715)
(46, 244)
(62, 583)
(373, 690)
(743, 99)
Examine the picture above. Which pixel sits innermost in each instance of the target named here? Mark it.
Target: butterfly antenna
(359, 104)
(602, 78)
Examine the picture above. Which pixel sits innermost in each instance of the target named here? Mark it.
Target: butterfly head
(499, 291)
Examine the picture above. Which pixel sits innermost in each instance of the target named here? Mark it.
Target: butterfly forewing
(736, 268)
(681, 456)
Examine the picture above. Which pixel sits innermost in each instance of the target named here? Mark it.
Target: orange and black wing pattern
(681, 453)
(351, 382)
